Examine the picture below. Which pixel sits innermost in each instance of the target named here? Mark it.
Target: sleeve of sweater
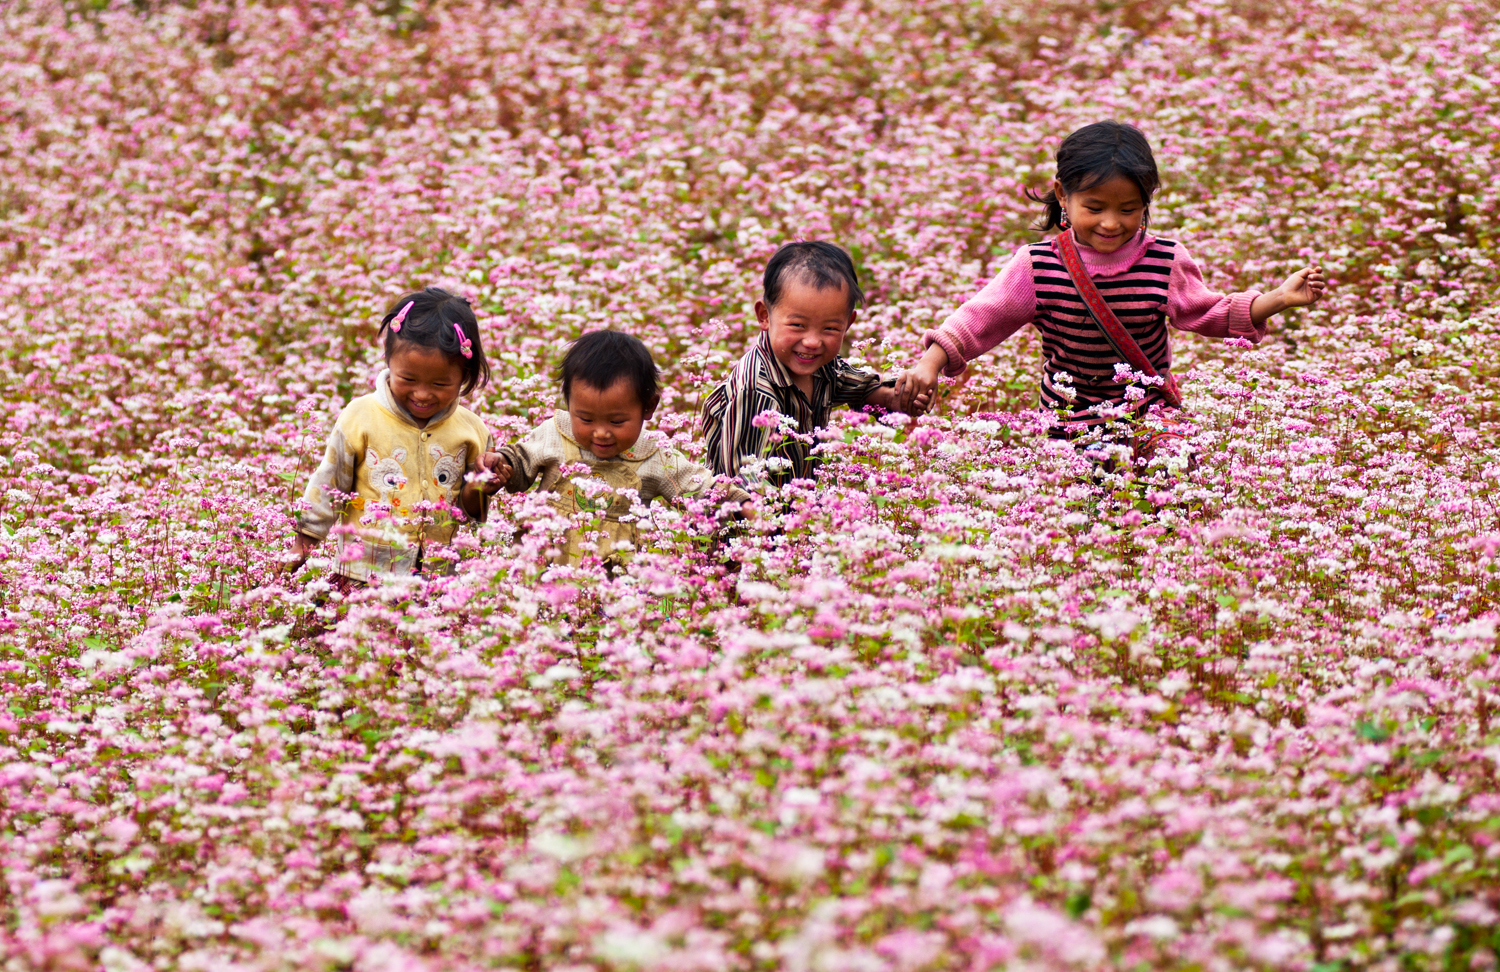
(1003, 307)
(527, 458)
(335, 476)
(1191, 306)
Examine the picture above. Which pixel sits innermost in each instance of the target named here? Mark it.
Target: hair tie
(400, 316)
(464, 347)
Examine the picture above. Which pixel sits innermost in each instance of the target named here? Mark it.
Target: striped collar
(1111, 264)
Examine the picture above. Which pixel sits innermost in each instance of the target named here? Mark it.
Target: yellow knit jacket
(379, 465)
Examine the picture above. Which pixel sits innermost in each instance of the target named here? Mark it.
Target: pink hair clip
(400, 317)
(464, 346)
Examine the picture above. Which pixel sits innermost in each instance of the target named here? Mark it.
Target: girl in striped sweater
(1106, 175)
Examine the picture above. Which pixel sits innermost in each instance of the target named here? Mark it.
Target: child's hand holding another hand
(495, 471)
(486, 478)
(918, 387)
(900, 398)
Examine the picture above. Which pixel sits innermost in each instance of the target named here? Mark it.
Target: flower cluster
(961, 705)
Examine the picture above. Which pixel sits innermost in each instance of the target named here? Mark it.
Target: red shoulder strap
(1098, 308)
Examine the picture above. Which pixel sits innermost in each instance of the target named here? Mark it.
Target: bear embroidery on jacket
(386, 475)
(448, 470)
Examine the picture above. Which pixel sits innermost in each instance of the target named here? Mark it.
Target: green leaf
(1372, 732)
(1078, 902)
(1463, 852)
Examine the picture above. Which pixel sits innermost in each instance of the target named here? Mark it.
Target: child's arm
(512, 468)
(853, 386)
(1005, 305)
(334, 474)
(1192, 306)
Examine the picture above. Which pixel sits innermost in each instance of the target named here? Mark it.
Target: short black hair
(429, 323)
(601, 358)
(818, 262)
(1098, 153)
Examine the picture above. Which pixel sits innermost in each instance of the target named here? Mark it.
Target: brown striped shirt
(759, 383)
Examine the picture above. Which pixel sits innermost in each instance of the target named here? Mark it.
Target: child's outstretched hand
(1300, 289)
(1304, 287)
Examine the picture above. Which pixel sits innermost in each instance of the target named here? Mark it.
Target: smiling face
(806, 326)
(424, 381)
(607, 421)
(1105, 216)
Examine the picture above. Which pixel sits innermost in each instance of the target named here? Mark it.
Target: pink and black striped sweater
(1148, 283)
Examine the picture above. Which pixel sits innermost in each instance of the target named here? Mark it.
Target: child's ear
(846, 347)
(650, 408)
(762, 314)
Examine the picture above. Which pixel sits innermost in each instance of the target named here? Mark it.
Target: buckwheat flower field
(961, 705)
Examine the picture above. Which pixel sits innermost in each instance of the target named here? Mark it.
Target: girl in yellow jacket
(395, 469)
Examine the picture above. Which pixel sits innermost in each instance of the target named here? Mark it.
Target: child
(1101, 200)
(808, 305)
(609, 387)
(398, 459)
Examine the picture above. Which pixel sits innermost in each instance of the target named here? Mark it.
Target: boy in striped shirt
(794, 368)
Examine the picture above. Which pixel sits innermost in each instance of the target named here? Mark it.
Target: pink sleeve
(1003, 307)
(1191, 306)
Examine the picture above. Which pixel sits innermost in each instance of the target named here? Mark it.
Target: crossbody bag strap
(1104, 318)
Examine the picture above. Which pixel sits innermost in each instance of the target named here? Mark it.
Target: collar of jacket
(642, 449)
(389, 403)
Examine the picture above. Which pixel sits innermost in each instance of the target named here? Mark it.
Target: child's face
(607, 421)
(807, 325)
(1104, 216)
(424, 381)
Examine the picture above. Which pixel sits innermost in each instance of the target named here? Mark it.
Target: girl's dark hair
(601, 358)
(1097, 153)
(429, 324)
(822, 264)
